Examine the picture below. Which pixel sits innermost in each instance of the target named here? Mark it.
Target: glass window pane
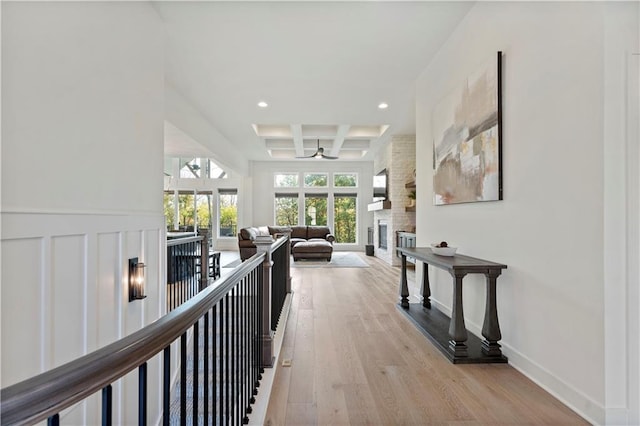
(286, 210)
(315, 180)
(190, 168)
(186, 212)
(203, 209)
(315, 210)
(345, 218)
(169, 210)
(345, 180)
(228, 208)
(286, 180)
(214, 171)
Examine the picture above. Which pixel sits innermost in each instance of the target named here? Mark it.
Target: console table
(450, 335)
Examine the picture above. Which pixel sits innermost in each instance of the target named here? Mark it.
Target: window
(342, 180)
(330, 200)
(170, 210)
(190, 168)
(315, 209)
(317, 180)
(345, 217)
(286, 180)
(286, 209)
(227, 212)
(214, 171)
(186, 211)
(193, 209)
(203, 209)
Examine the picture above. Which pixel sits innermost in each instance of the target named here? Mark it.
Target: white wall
(262, 204)
(82, 162)
(549, 228)
(181, 113)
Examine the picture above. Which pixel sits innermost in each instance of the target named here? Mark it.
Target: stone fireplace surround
(399, 158)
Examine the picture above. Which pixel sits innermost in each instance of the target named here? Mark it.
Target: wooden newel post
(204, 258)
(266, 335)
(287, 261)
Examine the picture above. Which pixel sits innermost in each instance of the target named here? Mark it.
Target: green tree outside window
(287, 211)
(315, 209)
(345, 219)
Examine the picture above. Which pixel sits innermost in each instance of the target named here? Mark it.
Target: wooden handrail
(41, 396)
(179, 241)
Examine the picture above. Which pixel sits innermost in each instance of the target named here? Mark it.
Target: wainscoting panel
(109, 288)
(64, 294)
(66, 307)
(22, 304)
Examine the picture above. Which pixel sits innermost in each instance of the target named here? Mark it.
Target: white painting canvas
(466, 149)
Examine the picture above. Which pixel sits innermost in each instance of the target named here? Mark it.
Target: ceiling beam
(342, 132)
(296, 132)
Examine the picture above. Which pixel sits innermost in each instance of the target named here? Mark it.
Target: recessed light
(263, 104)
(383, 105)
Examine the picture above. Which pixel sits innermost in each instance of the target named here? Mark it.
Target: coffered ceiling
(323, 68)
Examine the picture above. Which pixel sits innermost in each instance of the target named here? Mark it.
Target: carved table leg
(426, 288)
(490, 327)
(457, 330)
(404, 288)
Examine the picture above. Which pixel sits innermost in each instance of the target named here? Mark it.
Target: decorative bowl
(443, 251)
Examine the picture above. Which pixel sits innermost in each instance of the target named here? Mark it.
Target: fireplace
(382, 234)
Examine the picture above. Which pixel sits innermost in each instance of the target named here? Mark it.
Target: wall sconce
(136, 279)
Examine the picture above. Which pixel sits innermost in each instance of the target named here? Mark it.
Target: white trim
(257, 417)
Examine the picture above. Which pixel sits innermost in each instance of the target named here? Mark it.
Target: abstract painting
(467, 129)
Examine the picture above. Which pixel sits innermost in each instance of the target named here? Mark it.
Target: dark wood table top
(450, 263)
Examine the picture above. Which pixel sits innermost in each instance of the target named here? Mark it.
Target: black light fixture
(320, 154)
(136, 279)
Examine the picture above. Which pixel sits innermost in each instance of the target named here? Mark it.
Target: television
(380, 187)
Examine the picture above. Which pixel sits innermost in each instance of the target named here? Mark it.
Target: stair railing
(236, 341)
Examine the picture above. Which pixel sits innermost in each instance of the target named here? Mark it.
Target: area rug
(340, 259)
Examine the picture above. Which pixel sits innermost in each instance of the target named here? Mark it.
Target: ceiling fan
(320, 154)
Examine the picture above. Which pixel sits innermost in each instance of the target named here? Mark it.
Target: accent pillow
(248, 233)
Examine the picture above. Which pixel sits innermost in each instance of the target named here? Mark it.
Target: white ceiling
(323, 68)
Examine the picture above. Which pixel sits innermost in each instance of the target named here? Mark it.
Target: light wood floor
(357, 360)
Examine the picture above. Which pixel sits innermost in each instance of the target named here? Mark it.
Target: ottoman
(312, 249)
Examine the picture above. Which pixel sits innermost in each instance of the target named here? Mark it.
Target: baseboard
(618, 416)
(573, 398)
(257, 417)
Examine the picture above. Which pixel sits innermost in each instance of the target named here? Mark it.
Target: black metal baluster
(221, 362)
(205, 378)
(236, 335)
(245, 328)
(166, 386)
(227, 358)
(183, 379)
(260, 322)
(169, 281)
(173, 282)
(254, 342)
(241, 358)
(107, 405)
(54, 420)
(214, 372)
(142, 394)
(234, 354)
(196, 371)
(192, 272)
